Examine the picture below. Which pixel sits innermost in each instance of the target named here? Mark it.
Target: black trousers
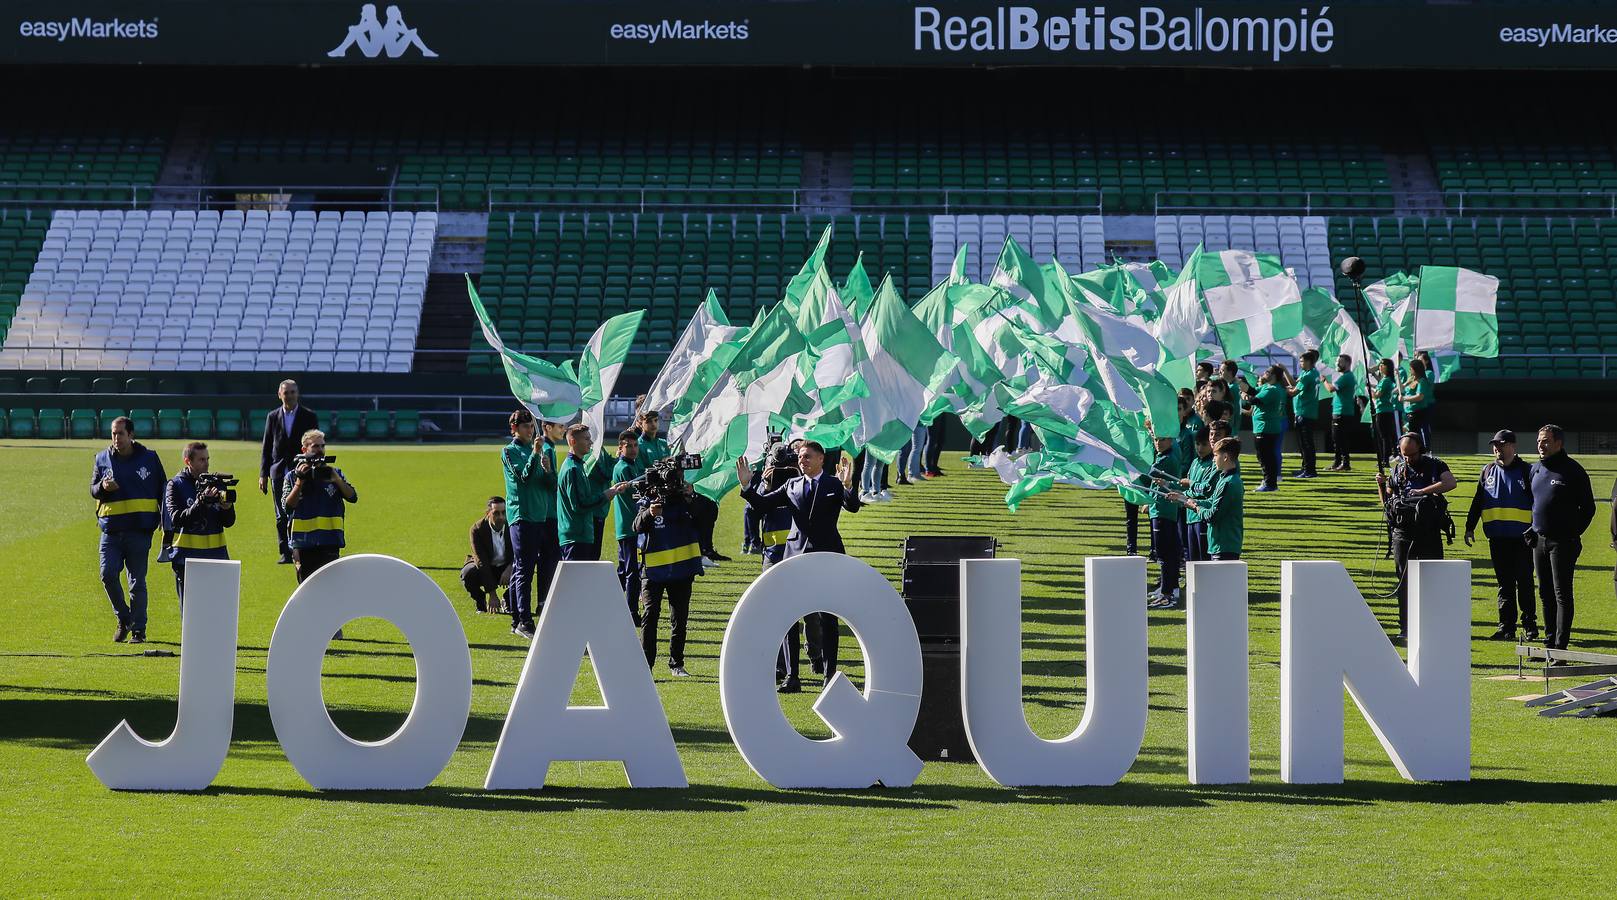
(1131, 527)
(1386, 436)
(1405, 547)
(1341, 433)
(985, 445)
(934, 445)
(1513, 569)
(1269, 457)
(283, 517)
(824, 634)
(1305, 443)
(1420, 422)
(705, 515)
(1170, 554)
(1556, 559)
(629, 573)
(308, 560)
(473, 577)
(679, 612)
(579, 551)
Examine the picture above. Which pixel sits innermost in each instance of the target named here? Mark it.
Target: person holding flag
(1167, 468)
(1343, 389)
(1305, 406)
(1224, 509)
(1268, 402)
(1416, 397)
(1384, 408)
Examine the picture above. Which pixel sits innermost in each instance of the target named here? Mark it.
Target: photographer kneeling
(1417, 512)
(315, 494)
(198, 506)
(488, 568)
(670, 558)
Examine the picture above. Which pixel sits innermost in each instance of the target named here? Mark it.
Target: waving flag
(708, 338)
(1251, 300)
(904, 366)
(550, 392)
(1456, 311)
(598, 369)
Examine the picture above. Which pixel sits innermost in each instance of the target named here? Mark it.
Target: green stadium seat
(52, 423)
(104, 420)
(376, 425)
(82, 424)
(227, 425)
(170, 424)
(407, 424)
(22, 423)
(199, 424)
(345, 425)
(145, 421)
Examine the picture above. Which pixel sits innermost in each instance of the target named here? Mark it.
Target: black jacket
(279, 448)
(483, 551)
(1563, 498)
(816, 504)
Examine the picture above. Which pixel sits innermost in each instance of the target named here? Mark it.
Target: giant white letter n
(1329, 637)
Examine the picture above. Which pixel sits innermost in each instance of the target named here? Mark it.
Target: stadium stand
(1556, 280)
(550, 278)
(21, 235)
(78, 162)
(1302, 243)
(1079, 242)
(204, 290)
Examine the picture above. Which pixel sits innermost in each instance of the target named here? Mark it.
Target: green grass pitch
(1543, 798)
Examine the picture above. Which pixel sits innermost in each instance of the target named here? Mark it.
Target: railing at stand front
(381, 197)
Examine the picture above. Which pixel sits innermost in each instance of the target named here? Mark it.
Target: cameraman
(816, 500)
(629, 467)
(671, 557)
(775, 526)
(581, 497)
(1412, 497)
(197, 513)
(127, 485)
(489, 565)
(315, 496)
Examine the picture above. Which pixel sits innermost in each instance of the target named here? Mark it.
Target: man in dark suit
(489, 566)
(816, 499)
(283, 439)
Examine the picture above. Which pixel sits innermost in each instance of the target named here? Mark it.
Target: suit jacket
(279, 448)
(483, 551)
(816, 504)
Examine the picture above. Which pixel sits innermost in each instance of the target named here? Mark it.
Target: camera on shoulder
(223, 482)
(319, 466)
(664, 481)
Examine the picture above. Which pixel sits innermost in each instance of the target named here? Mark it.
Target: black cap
(1505, 436)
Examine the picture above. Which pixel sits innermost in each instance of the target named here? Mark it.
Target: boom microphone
(1353, 268)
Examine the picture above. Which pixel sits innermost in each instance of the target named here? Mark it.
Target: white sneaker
(867, 497)
(885, 496)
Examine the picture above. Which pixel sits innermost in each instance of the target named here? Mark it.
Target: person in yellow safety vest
(196, 519)
(316, 494)
(670, 560)
(127, 485)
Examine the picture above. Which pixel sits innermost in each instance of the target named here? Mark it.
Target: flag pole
(1353, 268)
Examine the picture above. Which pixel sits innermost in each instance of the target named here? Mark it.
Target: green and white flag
(1125, 356)
(598, 369)
(708, 338)
(1182, 326)
(1392, 301)
(904, 366)
(1456, 311)
(812, 268)
(549, 391)
(857, 291)
(1252, 300)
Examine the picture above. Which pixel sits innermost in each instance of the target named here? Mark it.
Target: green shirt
(1268, 405)
(1384, 391)
(1168, 464)
(530, 491)
(1223, 513)
(1428, 389)
(1306, 403)
(580, 500)
(653, 449)
(1201, 474)
(1342, 401)
(1185, 443)
(623, 505)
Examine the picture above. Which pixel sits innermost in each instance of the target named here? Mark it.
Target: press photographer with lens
(1416, 511)
(198, 505)
(316, 496)
(670, 549)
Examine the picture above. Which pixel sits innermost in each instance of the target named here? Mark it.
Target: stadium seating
(1079, 242)
(254, 291)
(21, 234)
(1302, 243)
(550, 279)
(1556, 280)
(79, 163)
(712, 179)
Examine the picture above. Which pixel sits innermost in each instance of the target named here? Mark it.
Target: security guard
(197, 521)
(317, 499)
(671, 558)
(530, 507)
(1504, 505)
(127, 485)
(628, 467)
(1224, 509)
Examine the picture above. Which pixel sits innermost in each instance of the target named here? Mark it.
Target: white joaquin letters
(1329, 637)
(871, 729)
(390, 589)
(1107, 739)
(190, 758)
(585, 613)
(1220, 748)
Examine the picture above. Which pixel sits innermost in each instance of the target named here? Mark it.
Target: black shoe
(285, 560)
(482, 606)
(1400, 638)
(137, 637)
(1558, 662)
(678, 672)
(1131, 550)
(905, 481)
(1503, 634)
(715, 555)
(1530, 634)
(523, 630)
(789, 686)
(122, 634)
(818, 666)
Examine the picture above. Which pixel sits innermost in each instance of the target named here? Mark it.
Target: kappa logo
(373, 38)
